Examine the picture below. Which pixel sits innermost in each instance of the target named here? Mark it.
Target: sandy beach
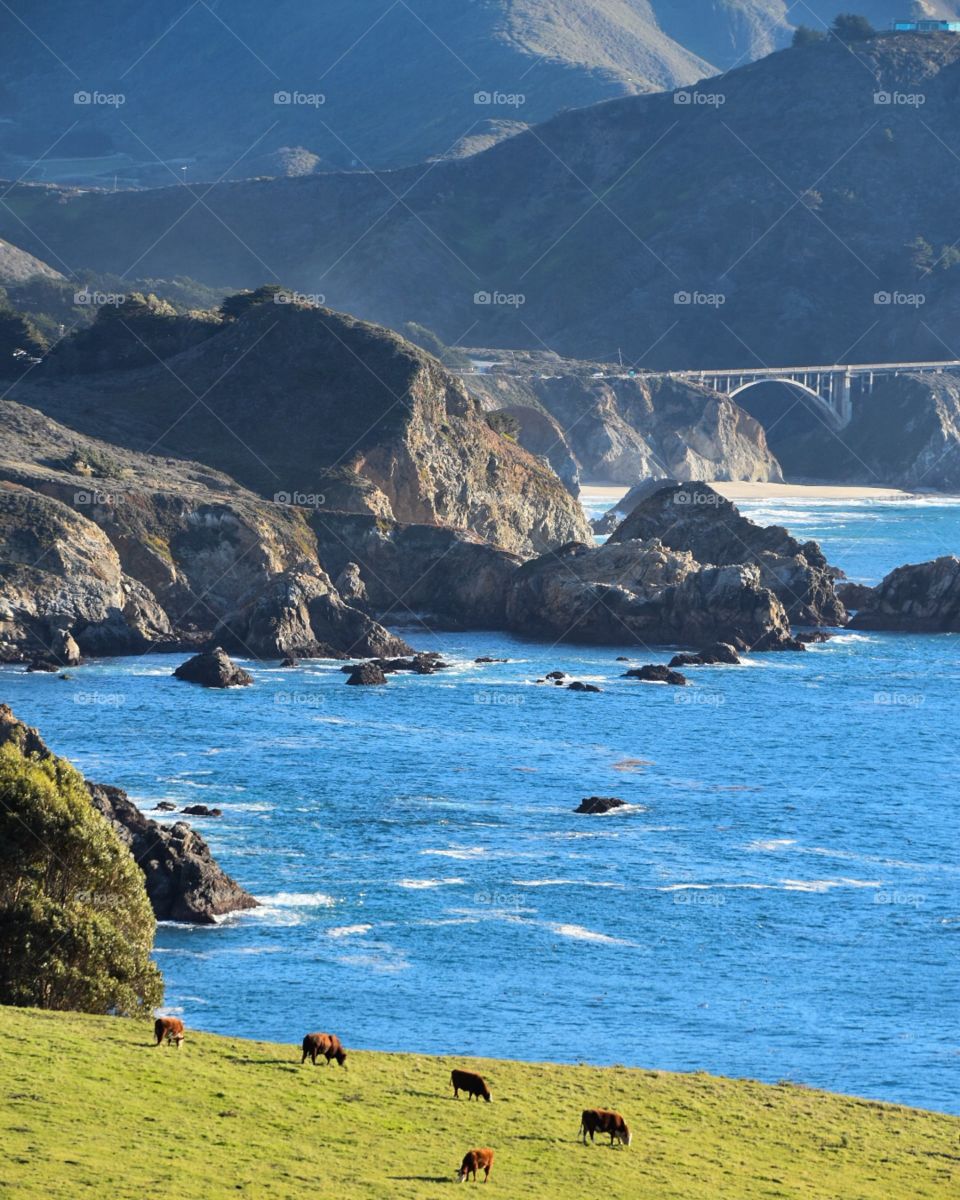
(609, 494)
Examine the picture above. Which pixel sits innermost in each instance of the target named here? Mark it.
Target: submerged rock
(201, 810)
(917, 598)
(213, 669)
(656, 673)
(719, 652)
(578, 686)
(599, 804)
(165, 806)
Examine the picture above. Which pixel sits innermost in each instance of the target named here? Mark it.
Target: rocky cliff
(695, 518)
(619, 428)
(183, 881)
(917, 598)
(293, 400)
(122, 552)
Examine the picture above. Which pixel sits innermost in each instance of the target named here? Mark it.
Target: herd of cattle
(329, 1047)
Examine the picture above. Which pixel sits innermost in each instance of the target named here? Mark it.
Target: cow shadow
(424, 1178)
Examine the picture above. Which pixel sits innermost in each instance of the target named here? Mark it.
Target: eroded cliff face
(125, 552)
(300, 401)
(621, 429)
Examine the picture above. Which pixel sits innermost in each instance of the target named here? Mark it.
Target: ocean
(779, 899)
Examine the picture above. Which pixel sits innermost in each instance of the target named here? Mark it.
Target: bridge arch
(822, 406)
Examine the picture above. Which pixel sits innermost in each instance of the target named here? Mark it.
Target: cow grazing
(602, 1120)
(170, 1028)
(473, 1161)
(326, 1044)
(467, 1081)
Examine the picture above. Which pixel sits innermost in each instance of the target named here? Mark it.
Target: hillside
(788, 202)
(171, 62)
(305, 406)
(226, 1117)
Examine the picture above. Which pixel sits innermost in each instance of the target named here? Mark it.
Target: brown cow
(602, 1120)
(327, 1044)
(474, 1160)
(467, 1081)
(170, 1028)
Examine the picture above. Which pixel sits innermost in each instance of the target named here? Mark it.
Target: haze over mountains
(758, 219)
(150, 91)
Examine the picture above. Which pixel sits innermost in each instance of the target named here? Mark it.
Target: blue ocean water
(781, 899)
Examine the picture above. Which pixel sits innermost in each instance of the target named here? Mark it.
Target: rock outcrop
(695, 517)
(596, 805)
(643, 593)
(183, 881)
(917, 598)
(717, 654)
(107, 551)
(213, 669)
(368, 674)
(315, 402)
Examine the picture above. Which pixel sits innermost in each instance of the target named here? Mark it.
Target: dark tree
(851, 27)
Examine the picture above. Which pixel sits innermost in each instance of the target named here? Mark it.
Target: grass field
(89, 1109)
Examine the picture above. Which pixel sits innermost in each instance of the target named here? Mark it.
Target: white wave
(709, 887)
(588, 935)
(771, 844)
(826, 885)
(466, 852)
(430, 922)
(841, 639)
(298, 900)
(342, 931)
(421, 884)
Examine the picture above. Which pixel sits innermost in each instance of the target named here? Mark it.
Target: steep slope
(768, 228)
(310, 407)
(160, 65)
(17, 266)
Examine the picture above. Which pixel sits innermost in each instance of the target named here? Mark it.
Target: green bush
(76, 927)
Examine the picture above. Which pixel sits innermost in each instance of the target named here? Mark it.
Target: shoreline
(743, 490)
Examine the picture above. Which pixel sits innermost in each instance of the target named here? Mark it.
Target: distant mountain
(809, 217)
(378, 82)
(143, 93)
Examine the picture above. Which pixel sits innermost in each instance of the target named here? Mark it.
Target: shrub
(76, 927)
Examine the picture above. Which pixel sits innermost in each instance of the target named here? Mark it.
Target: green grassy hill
(89, 1108)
